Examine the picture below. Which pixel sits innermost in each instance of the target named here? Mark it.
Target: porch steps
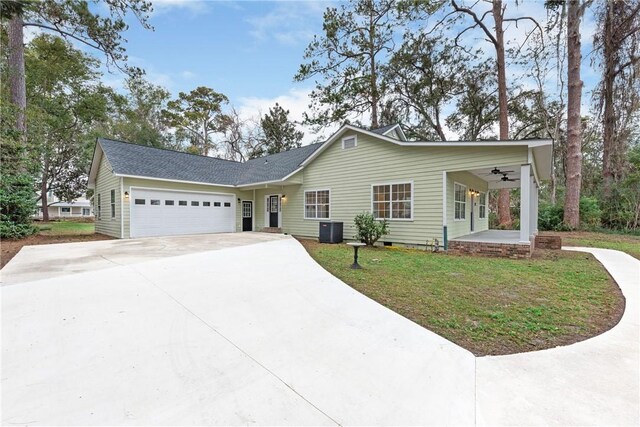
(272, 230)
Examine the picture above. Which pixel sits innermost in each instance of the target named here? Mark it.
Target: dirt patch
(11, 247)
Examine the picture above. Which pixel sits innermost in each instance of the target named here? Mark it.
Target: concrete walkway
(593, 382)
(257, 334)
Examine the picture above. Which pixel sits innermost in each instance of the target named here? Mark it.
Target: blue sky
(250, 50)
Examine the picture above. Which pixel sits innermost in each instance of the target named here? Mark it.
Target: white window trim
(112, 204)
(355, 140)
(390, 201)
(481, 205)
(454, 202)
(304, 204)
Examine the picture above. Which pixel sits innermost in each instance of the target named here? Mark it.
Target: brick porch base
(505, 250)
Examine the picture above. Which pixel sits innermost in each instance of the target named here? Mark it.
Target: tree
(140, 117)
(424, 75)
(64, 101)
(278, 133)
(618, 96)
(241, 139)
(72, 19)
(496, 38)
(347, 58)
(573, 170)
(477, 108)
(197, 117)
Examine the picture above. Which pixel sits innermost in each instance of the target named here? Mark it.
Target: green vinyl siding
(350, 174)
(105, 183)
(180, 186)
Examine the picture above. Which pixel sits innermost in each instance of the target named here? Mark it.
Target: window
(86, 211)
(195, 203)
(459, 201)
(65, 210)
(227, 204)
(482, 209)
(206, 203)
(99, 207)
(392, 201)
(169, 202)
(139, 202)
(216, 204)
(113, 204)
(182, 203)
(349, 142)
(316, 204)
(246, 210)
(155, 202)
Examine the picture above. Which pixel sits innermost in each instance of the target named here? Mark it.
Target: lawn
(66, 228)
(487, 305)
(622, 242)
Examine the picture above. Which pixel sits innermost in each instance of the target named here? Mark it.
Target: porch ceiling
(495, 180)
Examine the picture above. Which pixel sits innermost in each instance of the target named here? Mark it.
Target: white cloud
(288, 23)
(161, 6)
(187, 75)
(295, 100)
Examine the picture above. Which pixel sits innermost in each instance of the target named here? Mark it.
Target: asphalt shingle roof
(140, 160)
(383, 129)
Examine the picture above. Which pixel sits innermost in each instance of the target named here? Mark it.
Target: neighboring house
(427, 190)
(77, 208)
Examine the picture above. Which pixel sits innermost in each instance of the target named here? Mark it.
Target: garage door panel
(186, 213)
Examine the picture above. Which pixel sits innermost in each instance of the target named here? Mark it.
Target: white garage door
(169, 213)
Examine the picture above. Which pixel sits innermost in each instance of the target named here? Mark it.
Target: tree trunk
(17, 84)
(43, 191)
(608, 116)
(372, 58)
(574, 125)
(504, 199)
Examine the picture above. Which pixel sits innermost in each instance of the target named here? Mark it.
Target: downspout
(445, 241)
(121, 208)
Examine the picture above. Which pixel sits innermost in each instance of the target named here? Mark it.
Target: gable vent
(349, 142)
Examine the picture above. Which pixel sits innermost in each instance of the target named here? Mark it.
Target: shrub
(368, 230)
(550, 217)
(590, 213)
(17, 205)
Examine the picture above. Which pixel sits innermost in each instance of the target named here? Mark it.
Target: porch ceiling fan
(496, 171)
(506, 178)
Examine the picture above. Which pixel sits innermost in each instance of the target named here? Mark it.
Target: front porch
(465, 209)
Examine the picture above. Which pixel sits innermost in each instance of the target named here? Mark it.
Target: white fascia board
(173, 180)
(95, 163)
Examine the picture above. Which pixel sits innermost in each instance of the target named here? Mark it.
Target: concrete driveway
(252, 334)
(47, 261)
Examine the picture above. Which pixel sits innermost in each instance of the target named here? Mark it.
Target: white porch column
(534, 218)
(532, 207)
(525, 202)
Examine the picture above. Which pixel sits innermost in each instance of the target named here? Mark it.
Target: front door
(247, 215)
(274, 203)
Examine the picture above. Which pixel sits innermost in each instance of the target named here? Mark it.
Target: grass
(487, 305)
(622, 242)
(66, 228)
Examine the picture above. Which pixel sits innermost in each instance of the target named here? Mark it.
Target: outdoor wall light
(284, 196)
(126, 195)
